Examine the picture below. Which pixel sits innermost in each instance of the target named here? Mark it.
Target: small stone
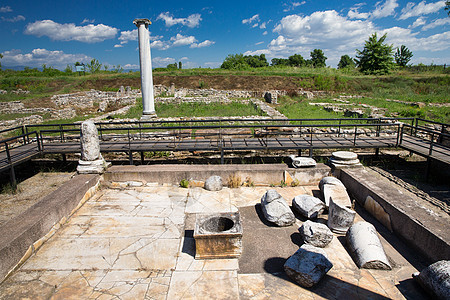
(340, 218)
(316, 234)
(436, 279)
(365, 247)
(276, 210)
(308, 206)
(214, 183)
(308, 265)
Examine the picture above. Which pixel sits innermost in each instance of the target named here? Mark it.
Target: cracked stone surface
(137, 243)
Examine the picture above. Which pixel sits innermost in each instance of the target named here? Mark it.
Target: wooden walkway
(414, 144)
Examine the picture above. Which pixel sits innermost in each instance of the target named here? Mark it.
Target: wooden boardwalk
(414, 144)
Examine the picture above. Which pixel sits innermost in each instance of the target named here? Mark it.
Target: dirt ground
(30, 191)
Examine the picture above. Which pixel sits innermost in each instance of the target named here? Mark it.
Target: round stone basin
(217, 224)
(218, 235)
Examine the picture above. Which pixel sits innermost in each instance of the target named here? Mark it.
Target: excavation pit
(218, 236)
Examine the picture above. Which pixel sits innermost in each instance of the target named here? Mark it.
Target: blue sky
(203, 33)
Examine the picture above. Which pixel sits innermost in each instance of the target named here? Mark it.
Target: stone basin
(218, 235)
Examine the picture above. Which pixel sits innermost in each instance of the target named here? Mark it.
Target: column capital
(138, 22)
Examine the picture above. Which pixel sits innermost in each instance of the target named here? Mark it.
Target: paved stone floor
(137, 243)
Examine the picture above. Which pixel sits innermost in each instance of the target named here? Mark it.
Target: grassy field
(410, 85)
(165, 110)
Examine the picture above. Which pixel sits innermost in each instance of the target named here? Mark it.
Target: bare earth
(30, 191)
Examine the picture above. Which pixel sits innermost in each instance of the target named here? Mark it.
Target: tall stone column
(145, 60)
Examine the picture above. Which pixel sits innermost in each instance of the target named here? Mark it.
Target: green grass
(167, 110)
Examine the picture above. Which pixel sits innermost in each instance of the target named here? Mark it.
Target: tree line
(376, 57)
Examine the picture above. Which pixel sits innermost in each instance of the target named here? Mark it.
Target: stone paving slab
(137, 243)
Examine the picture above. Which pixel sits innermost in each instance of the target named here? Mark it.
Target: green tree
(346, 62)
(234, 62)
(68, 69)
(280, 62)
(402, 56)
(447, 7)
(318, 58)
(376, 57)
(1, 56)
(173, 66)
(256, 61)
(296, 60)
(180, 65)
(94, 66)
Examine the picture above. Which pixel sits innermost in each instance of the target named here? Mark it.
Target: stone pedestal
(91, 161)
(344, 159)
(218, 236)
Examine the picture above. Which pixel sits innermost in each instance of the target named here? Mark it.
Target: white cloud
(118, 46)
(5, 9)
(402, 36)
(14, 19)
(263, 25)
(70, 32)
(205, 43)
(384, 10)
(265, 33)
(182, 40)
(436, 23)
(413, 10)
(130, 35)
(249, 21)
(158, 62)
(88, 21)
(418, 22)
(38, 56)
(259, 43)
(381, 10)
(131, 66)
(160, 45)
(191, 21)
(184, 58)
(293, 5)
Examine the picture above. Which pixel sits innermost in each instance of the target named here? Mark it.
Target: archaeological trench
(294, 228)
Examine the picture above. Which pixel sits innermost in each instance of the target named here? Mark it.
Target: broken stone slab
(308, 265)
(340, 218)
(365, 247)
(329, 180)
(316, 234)
(214, 183)
(90, 146)
(302, 162)
(376, 210)
(338, 193)
(276, 209)
(308, 206)
(435, 279)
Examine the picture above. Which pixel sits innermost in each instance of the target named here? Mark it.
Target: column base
(148, 116)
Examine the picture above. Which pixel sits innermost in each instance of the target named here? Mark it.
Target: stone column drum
(365, 247)
(91, 161)
(145, 59)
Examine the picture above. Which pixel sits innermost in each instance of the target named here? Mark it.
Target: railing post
(130, 154)
(61, 137)
(354, 139)
(339, 128)
(12, 174)
(431, 145)
(24, 136)
(399, 134)
(38, 143)
(101, 131)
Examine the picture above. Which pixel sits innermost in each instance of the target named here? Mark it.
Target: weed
(248, 182)
(184, 183)
(283, 184)
(10, 189)
(202, 84)
(295, 183)
(156, 154)
(234, 181)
